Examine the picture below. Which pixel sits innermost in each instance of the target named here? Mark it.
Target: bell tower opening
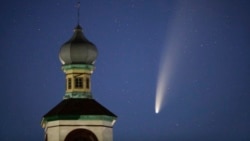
(81, 135)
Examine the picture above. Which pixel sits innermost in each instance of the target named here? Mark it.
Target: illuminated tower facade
(78, 117)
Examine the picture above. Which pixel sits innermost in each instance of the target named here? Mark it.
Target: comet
(166, 70)
(177, 36)
(176, 39)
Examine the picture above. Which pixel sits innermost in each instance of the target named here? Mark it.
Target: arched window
(81, 135)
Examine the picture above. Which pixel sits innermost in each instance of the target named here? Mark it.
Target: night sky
(207, 43)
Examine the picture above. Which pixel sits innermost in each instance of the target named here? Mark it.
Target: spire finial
(78, 12)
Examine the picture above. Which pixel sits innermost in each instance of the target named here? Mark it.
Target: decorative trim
(78, 66)
(78, 117)
(78, 95)
(80, 125)
(78, 73)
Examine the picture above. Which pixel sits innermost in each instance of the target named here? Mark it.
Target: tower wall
(58, 130)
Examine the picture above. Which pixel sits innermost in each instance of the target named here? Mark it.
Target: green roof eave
(79, 117)
(78, 66)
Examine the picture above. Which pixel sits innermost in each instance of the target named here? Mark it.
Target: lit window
(69, 83)
(78, 82)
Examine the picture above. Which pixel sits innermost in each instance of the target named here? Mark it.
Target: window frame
(78, 82)
(69, 85)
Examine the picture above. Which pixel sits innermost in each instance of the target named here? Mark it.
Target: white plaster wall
(58, 130)
(53, 134)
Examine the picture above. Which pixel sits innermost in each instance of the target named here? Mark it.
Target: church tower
(78, 117)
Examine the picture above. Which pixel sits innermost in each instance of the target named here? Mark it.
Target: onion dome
(78, 50)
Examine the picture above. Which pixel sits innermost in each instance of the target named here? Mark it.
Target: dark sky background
(208, 94)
